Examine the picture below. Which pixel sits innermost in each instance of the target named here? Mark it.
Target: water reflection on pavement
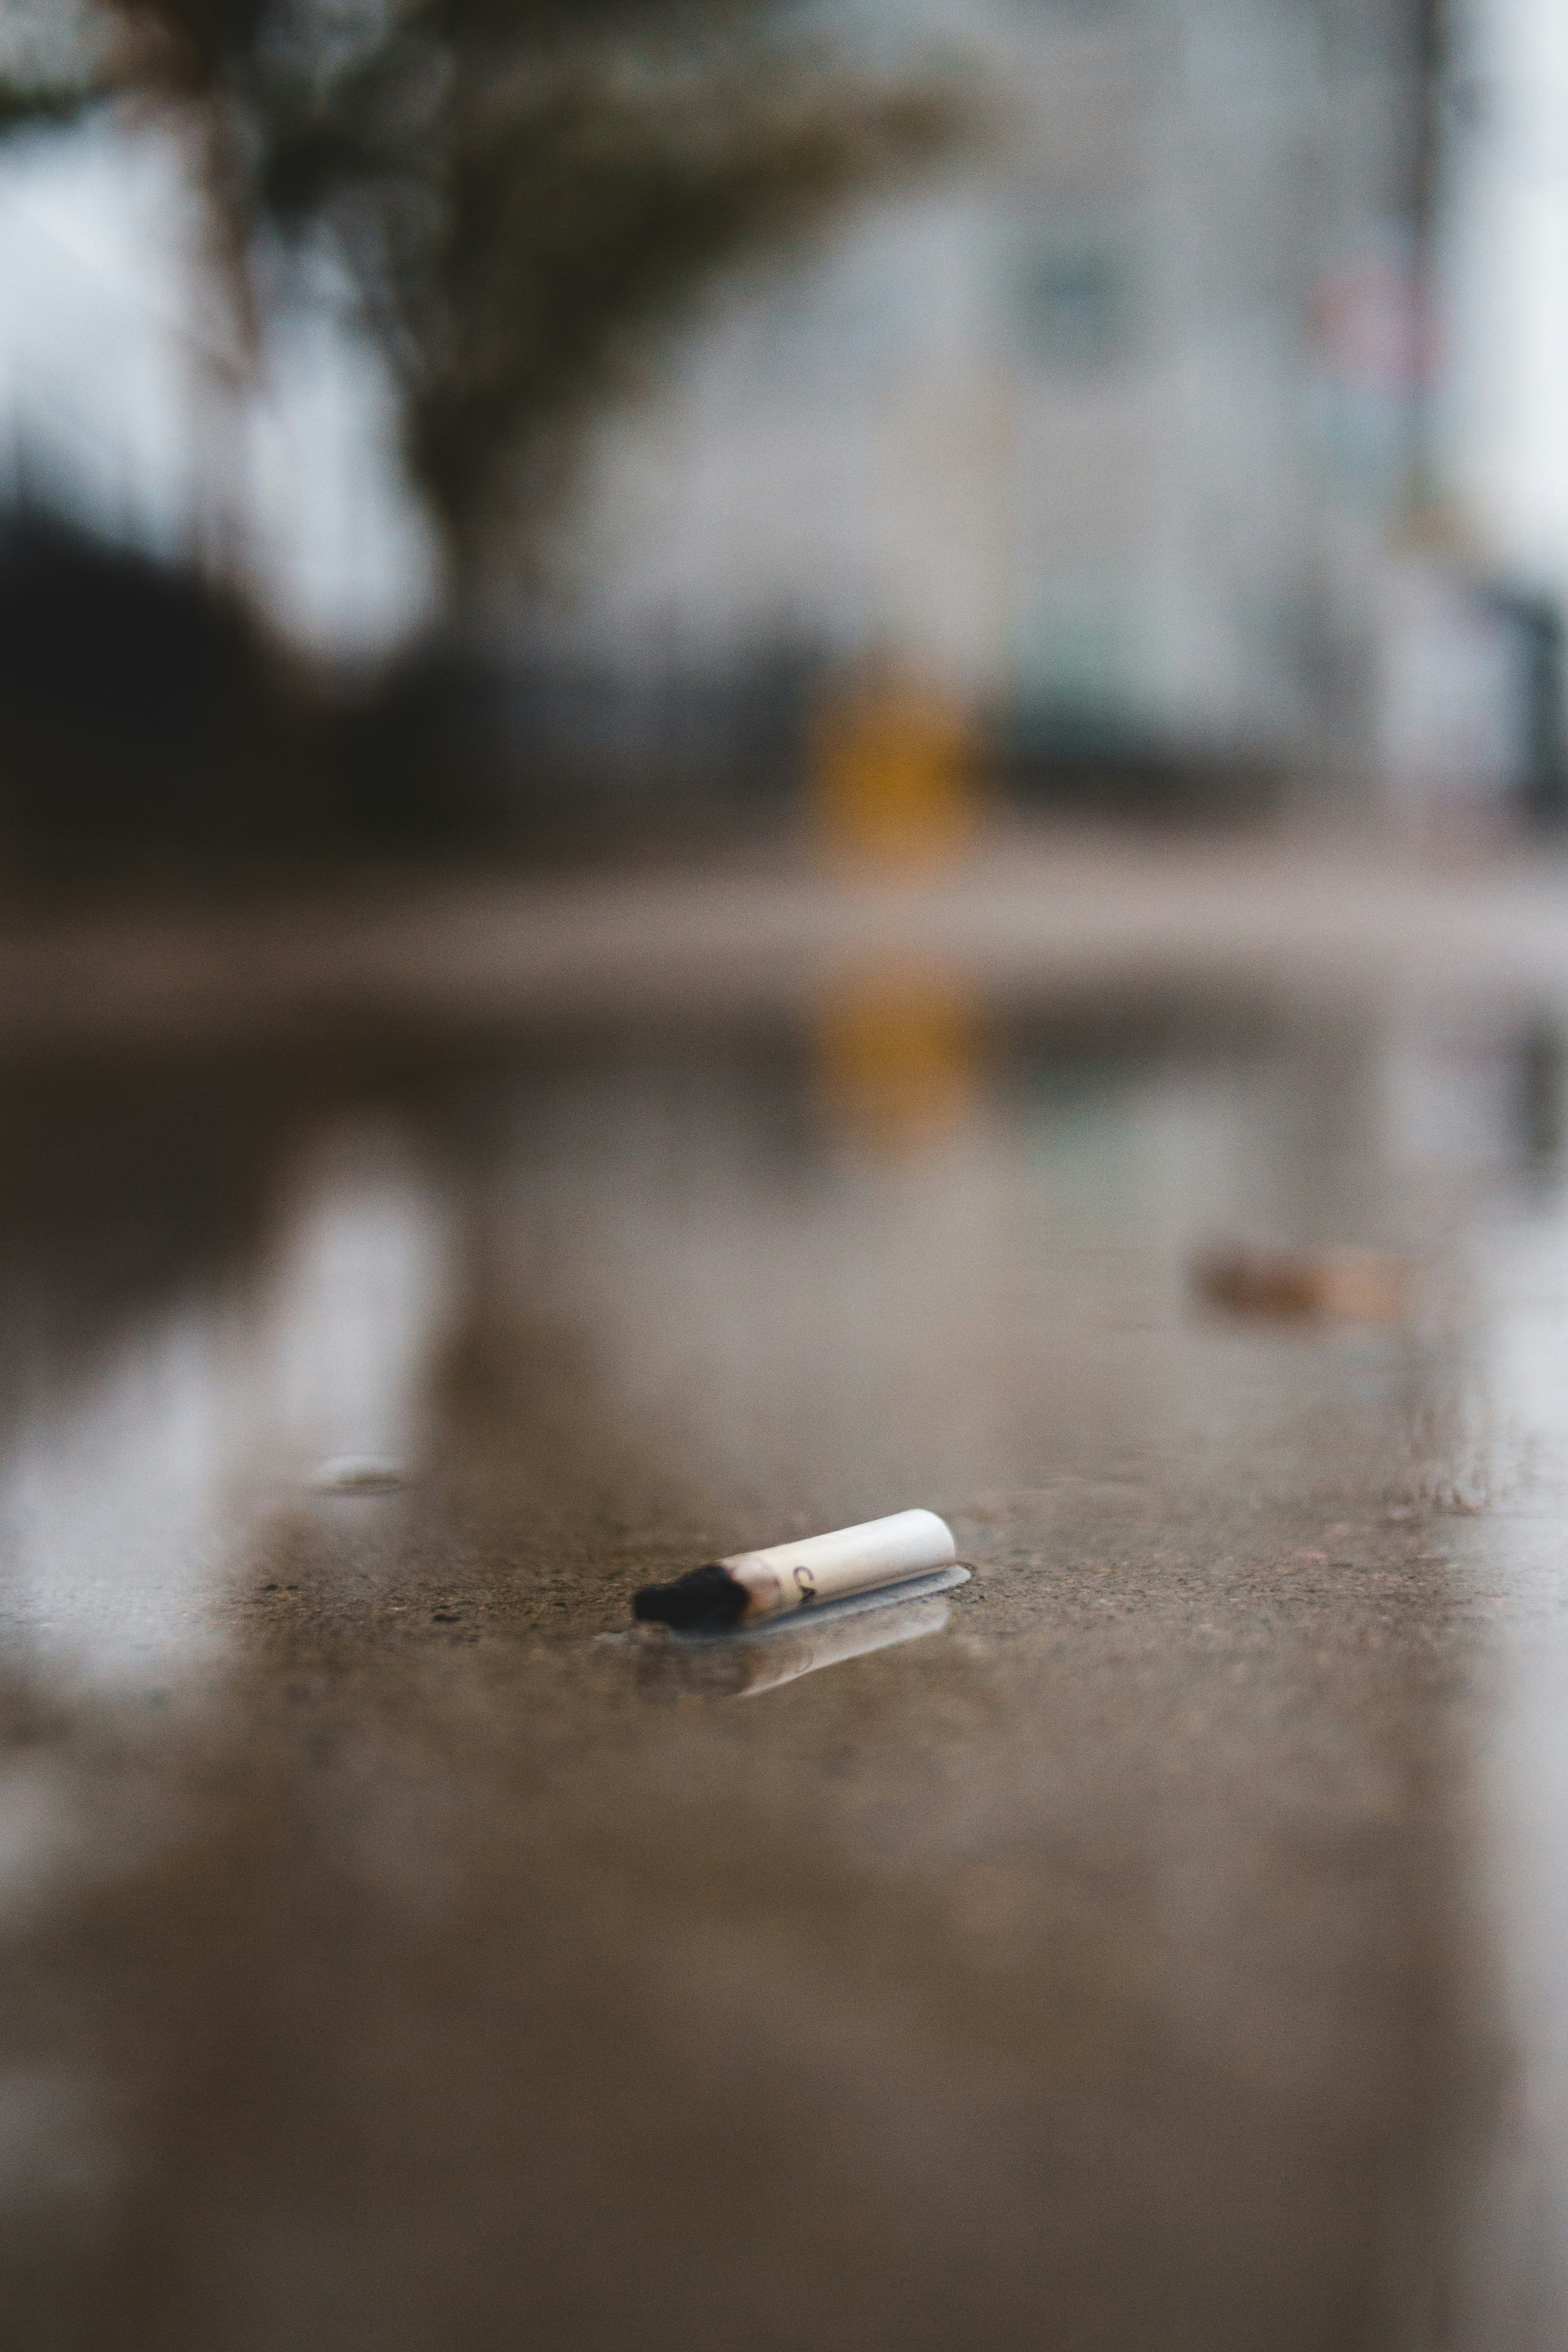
(1155, 1942)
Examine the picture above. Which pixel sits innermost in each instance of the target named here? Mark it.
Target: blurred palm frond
(526, 199)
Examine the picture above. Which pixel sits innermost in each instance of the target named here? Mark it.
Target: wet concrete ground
(1160, 1943)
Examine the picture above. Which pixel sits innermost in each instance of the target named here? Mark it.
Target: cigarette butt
(750, 1586)
(1353, 1285)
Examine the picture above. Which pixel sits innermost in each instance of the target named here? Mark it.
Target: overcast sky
(1504, 412)
(107, 364)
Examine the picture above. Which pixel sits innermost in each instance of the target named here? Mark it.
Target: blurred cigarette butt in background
(1353, 1286)
(893, 770)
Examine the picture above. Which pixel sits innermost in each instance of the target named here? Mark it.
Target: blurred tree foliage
(523, 197)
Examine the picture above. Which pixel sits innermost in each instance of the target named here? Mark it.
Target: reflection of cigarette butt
(1356, 1285)
(794, 1654)
(747, 1666)
(358, 1473)
(751, 1585)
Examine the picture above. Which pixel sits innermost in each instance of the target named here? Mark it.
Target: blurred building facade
(1120, 436)
(1169, 449)
(1116, 435)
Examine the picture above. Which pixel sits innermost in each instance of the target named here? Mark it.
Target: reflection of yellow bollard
(893, 771)
(896, 1054)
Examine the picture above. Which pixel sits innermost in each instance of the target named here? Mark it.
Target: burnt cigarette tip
(703, 1596)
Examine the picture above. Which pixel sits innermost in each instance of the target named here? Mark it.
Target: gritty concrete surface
(1157, 1945)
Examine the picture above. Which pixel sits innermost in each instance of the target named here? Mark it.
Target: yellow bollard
(893, 771)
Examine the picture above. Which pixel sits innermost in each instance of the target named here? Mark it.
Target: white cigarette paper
(851, 1560)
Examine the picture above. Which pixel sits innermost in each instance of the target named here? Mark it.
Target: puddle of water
(1117, 1950)
(133, 1486)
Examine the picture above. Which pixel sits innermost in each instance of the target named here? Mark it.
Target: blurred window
(1079, 669)
(1077, 12)
(1075, 303)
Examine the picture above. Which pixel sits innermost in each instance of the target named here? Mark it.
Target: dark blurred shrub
(145, 724)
